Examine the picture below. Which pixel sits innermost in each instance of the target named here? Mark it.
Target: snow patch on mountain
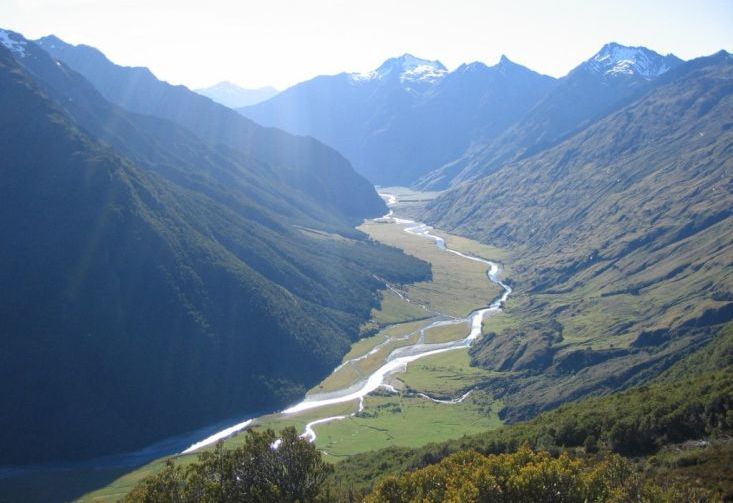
(429, 73)
(615, 59)
(408, 69)
(14, 42)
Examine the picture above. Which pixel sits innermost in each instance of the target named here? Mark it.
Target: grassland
(394, 310)
(458, 287)
(444, 376)
(447, 333)
(399, 420)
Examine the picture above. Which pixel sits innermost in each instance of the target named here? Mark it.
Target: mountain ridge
(585, 95)
(366, 115)
(150, 294)
(139, 91)
(619, 237)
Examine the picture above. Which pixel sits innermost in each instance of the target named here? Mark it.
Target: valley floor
(434, 398)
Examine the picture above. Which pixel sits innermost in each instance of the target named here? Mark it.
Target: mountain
(604, 83)
(154, 282)
(621, 238)
(615, 59)
(232, 96)
(409, 116)
(305, 162)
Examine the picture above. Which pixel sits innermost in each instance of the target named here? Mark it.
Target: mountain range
(610, 186)
(168, 262)
(413, 122)
(407, 117)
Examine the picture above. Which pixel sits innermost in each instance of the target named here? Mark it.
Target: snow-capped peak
(408, 68)
(13, 41)
(615, 59)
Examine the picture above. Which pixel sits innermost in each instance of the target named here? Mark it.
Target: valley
(360, 285)
(411, 383)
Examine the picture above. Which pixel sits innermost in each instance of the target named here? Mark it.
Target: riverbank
(421, 404)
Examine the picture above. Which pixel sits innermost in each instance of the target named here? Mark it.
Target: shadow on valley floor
(56, 485)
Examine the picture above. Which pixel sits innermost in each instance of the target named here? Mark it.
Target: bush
(254, 472)
(525, 475)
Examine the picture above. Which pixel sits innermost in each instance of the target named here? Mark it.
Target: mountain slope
(407, 117)
(174, 152)
(622, 238)
(612, 78)
(233, 96)
(304, 162)
(142, 298)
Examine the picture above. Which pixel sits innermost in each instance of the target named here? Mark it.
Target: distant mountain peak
(225, 84)
(51, 41)
(408, 68)
(615, 59)
(233, 96)
(472, 67)
(13, 41)
(408, 62)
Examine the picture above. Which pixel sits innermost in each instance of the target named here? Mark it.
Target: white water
(450, 402)
(218, 436)
(399, 358)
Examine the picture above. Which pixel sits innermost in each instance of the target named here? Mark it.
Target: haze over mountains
(154, 279)
(234, 96)
(407, 117)
(412, 122)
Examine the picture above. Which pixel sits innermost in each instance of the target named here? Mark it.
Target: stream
(399, 358)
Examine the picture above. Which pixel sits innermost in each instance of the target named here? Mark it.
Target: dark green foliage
(636, 422)
(143, 298)
(590, 444)
(294, 472)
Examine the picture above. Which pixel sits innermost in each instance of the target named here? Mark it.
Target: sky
(254, 43)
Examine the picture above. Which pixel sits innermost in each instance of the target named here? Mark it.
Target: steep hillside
(622, 239)
(612, 78)
(174, 152)
(407, 117)
(302, 162)
(145, 291)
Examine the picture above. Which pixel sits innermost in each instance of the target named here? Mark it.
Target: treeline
(290, 469)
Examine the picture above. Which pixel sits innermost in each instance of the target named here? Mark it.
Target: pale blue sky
(282, 42)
